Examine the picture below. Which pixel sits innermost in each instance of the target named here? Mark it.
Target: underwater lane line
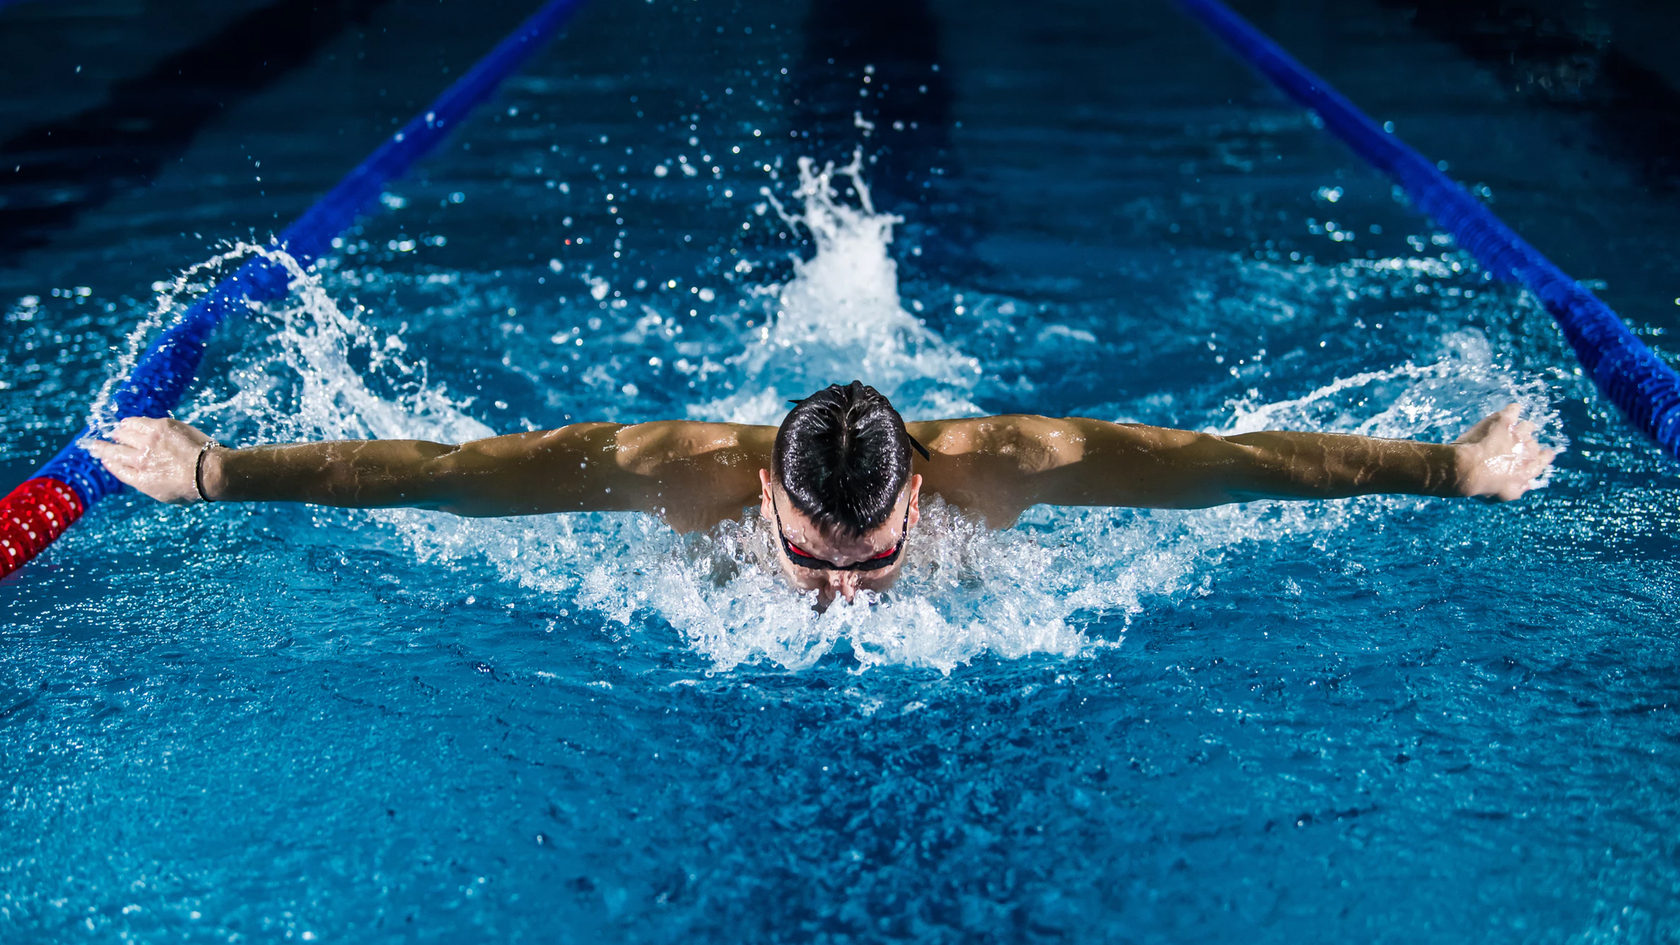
(40, 510)
(1638, 381)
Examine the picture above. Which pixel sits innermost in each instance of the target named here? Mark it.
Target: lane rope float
(1634, 378)
(44, 507)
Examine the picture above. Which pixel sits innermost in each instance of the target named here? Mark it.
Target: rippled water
(1380, 719)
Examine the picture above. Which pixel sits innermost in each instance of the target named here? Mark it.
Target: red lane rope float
(32, 517)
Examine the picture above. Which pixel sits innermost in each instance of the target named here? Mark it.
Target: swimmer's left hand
(158, 457)
(1499, 457)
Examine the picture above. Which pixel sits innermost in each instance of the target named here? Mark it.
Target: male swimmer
(837, 481)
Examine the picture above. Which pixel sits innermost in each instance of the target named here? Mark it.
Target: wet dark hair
(843, 456)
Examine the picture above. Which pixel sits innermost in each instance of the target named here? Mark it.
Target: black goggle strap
(917, 444)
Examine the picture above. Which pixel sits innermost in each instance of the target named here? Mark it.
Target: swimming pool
(1377, 720)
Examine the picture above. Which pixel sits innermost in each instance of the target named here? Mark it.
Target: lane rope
(1637, 380)
(40, 510)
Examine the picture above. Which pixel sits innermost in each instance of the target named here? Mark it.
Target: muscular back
(698, 474)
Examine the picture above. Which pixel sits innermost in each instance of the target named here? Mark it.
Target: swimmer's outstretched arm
(683, 470)
(1002, 465)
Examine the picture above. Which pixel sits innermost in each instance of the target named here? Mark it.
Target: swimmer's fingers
(1535, 465)
(120, 461)
(1544, 463)
(1531, 459)
(1525, 467)
(123, 462)
(158, 457)
(145, 432)
(1501, 457)
(1489, 424)
(113, 455)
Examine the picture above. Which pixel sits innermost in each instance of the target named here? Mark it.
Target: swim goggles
(882, 560)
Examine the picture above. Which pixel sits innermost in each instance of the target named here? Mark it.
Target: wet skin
(696, 474)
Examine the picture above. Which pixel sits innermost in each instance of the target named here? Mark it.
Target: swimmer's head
(843, 457)
(840, 491)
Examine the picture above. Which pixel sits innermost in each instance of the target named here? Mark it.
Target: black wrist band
(198, 468)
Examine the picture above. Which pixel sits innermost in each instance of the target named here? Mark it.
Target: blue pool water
(1376, 720)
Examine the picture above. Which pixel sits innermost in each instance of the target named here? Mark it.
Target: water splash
(840, 316)
(172, 298)
(322, 373)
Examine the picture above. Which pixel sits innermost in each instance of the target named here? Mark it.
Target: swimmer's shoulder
(1013, 439)
(984, 465)
(667, 443)
(702, 472)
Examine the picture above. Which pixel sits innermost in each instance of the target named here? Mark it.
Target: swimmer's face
(839, 549)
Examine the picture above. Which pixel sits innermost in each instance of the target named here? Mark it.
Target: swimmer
(839, 482)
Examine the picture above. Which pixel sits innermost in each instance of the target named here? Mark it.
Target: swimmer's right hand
(158, 457)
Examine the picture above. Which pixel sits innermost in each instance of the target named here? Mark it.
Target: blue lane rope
(163, 372)
(1628, 372)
